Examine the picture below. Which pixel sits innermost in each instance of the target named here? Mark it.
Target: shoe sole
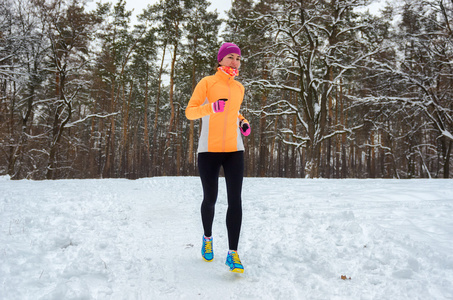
(237, 270)
(207, 260)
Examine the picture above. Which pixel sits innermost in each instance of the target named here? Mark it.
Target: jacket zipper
(227, 105)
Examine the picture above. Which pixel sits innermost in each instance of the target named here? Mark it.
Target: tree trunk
(446, 145)
(191, 155)
(156, 116)
(172, 111)
(145, 124)
(110, 145)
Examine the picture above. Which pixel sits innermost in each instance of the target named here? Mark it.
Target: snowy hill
(122, 239)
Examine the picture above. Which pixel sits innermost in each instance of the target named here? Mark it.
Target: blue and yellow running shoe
(206, 249)
(234, 262)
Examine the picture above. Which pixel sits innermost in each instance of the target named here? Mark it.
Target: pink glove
(245, 127)
(219, 105)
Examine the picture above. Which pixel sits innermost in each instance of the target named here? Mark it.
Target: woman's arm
(195, 108)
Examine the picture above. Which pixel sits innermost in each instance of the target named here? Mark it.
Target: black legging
(209, 164)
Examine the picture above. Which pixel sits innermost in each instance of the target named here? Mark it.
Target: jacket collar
(223, 76)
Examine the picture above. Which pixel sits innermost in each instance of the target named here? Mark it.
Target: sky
(220, 5)
(138, 5)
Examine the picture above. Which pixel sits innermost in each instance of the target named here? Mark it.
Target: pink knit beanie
(226, 49)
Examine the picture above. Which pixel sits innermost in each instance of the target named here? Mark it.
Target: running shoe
(234, 262)
(206, 249)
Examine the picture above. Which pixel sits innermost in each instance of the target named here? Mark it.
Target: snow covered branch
(72, 124)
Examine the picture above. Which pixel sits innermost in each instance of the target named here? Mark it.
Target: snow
(447, 134)
(123, 239)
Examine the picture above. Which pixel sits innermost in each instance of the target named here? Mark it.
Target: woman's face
(232, 60)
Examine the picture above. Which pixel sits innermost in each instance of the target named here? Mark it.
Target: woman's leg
(233, 167)
(209, 167)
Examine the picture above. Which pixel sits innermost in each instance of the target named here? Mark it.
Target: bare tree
(317, 44)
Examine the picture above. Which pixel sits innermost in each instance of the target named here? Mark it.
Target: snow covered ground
(123, 239)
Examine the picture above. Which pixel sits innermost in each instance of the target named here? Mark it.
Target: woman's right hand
(219, 105)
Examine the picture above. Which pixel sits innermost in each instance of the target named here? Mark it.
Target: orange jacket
(219, 131)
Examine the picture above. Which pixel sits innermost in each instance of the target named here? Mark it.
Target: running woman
(217, 100)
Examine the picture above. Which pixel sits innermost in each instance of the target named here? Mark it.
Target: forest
(331, 90)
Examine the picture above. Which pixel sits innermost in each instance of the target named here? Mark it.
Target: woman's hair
(216, 67)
